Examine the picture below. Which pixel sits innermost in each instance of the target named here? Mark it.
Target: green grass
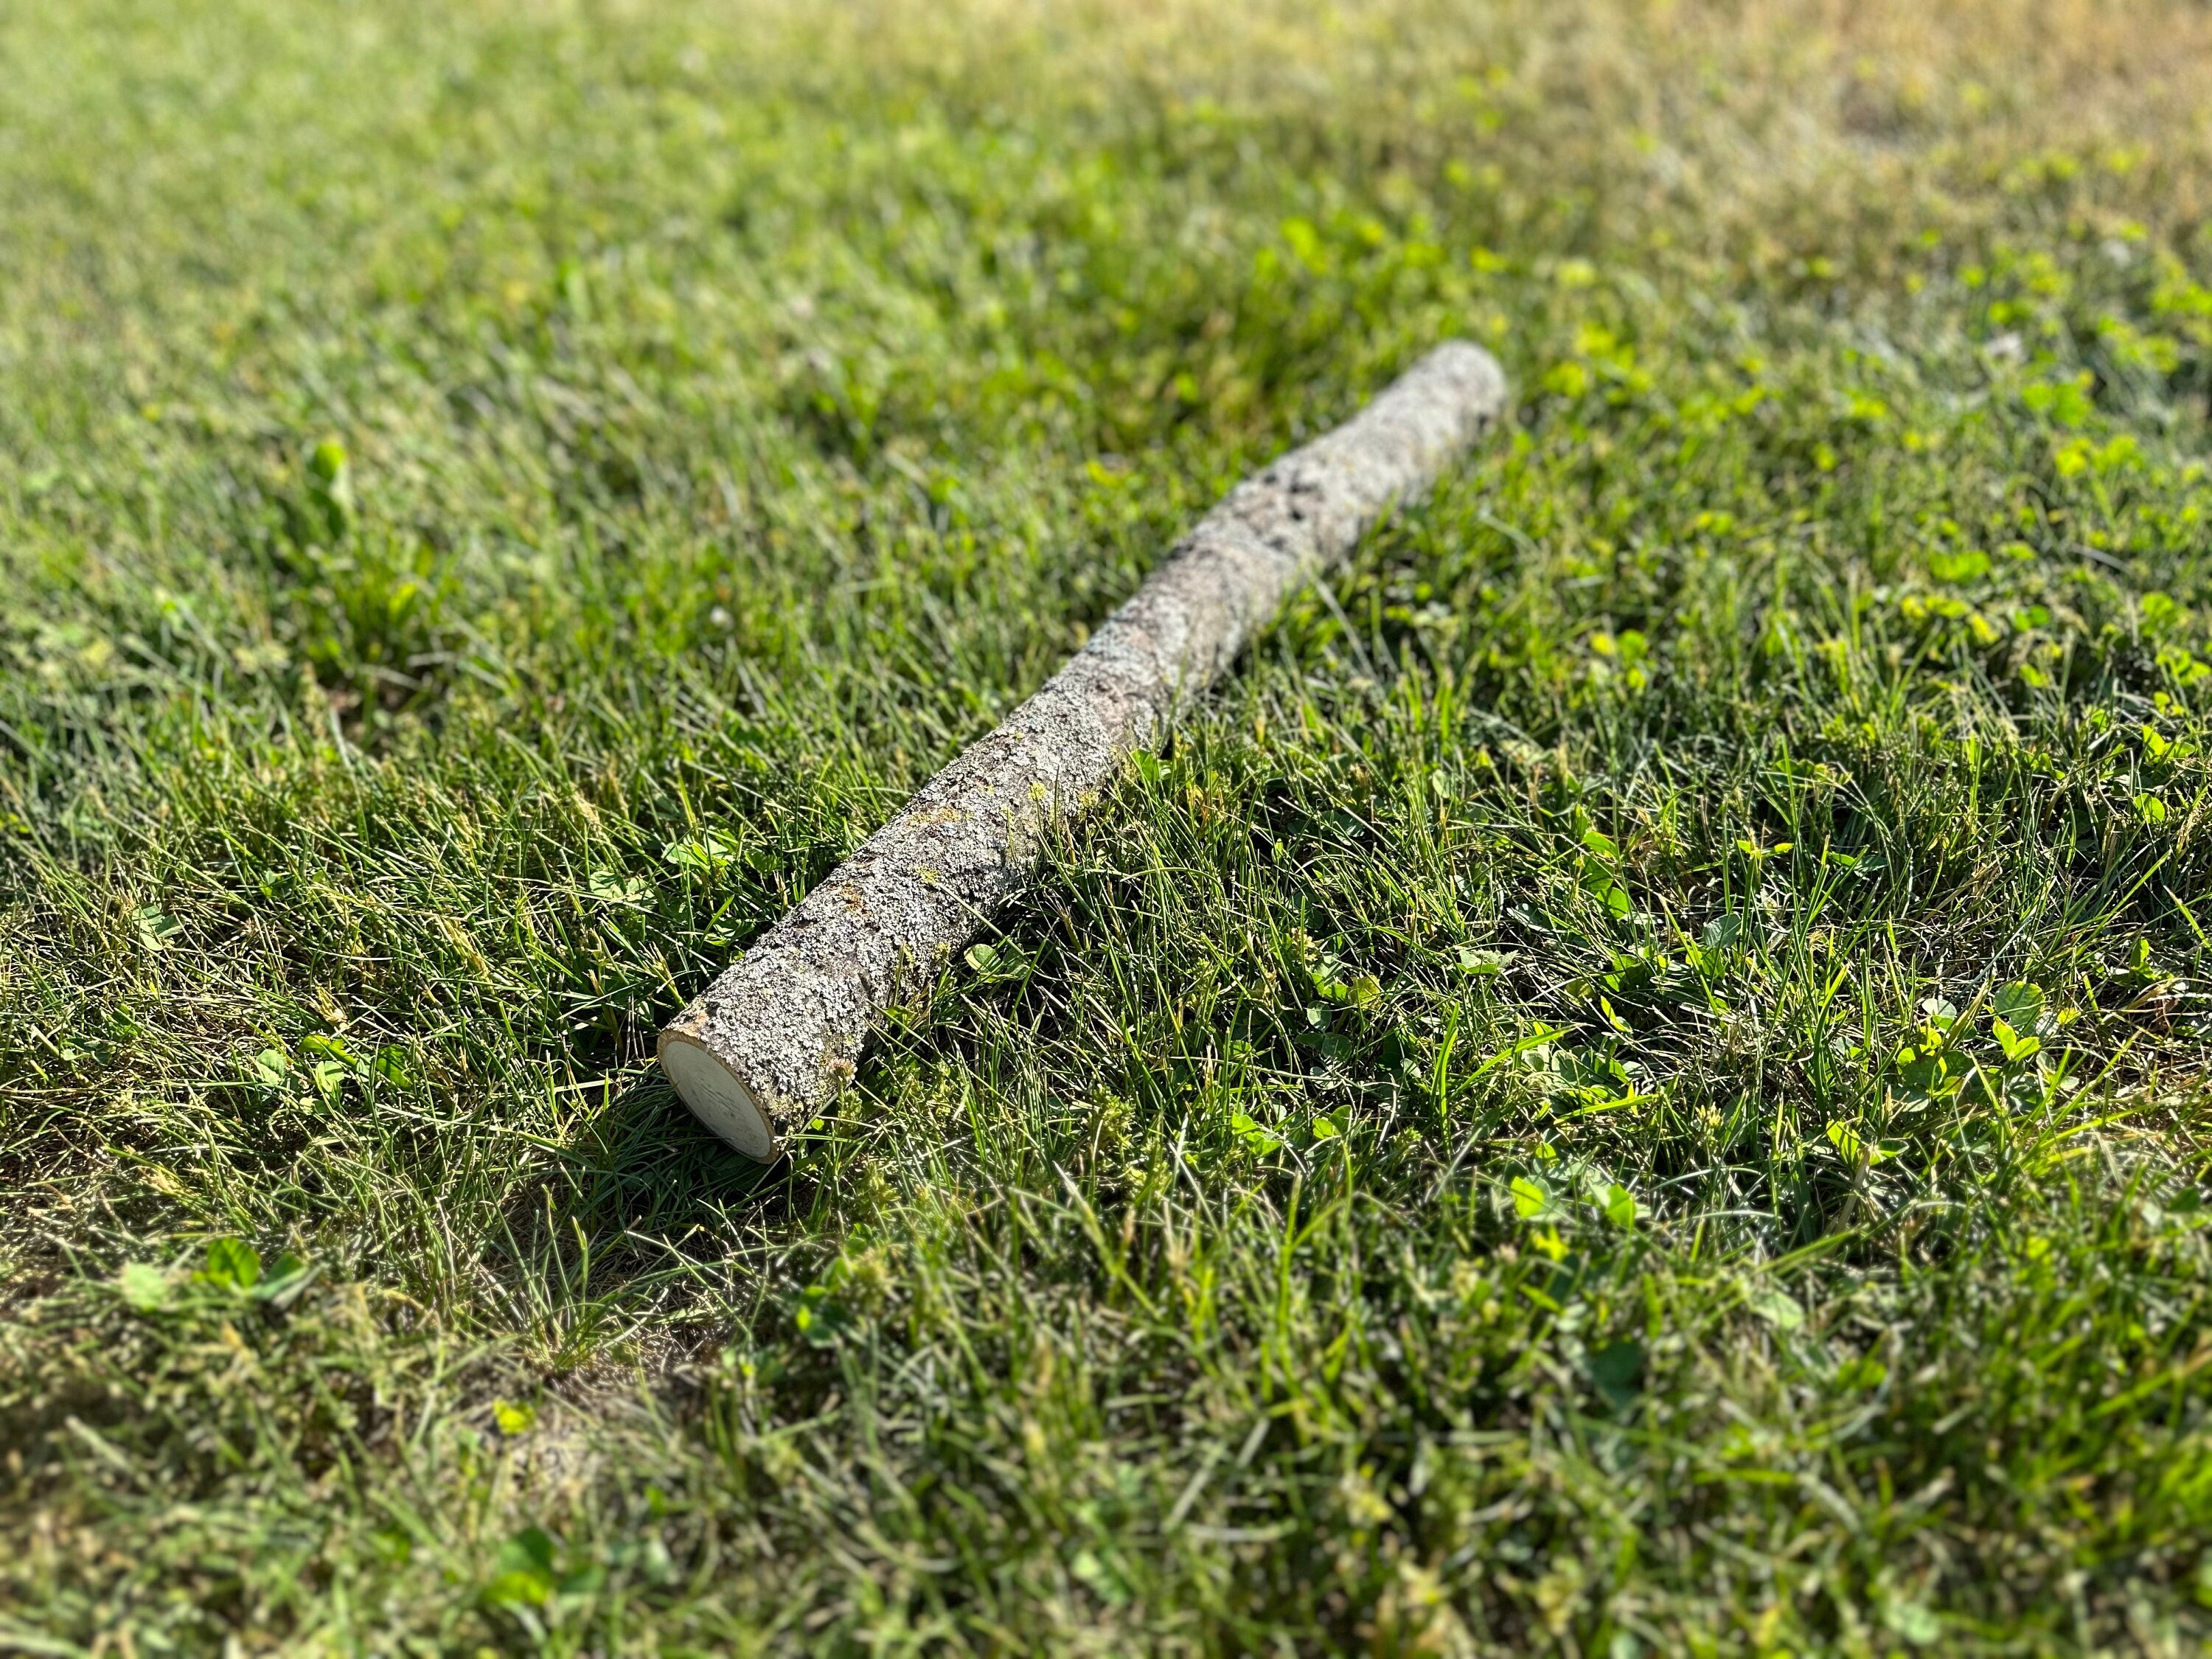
(1635, 1081)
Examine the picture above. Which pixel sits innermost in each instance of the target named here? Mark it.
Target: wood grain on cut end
(779, 1032)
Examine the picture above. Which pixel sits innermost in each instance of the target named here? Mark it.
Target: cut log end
(718, 1096)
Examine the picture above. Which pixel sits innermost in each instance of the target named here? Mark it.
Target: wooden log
(773, 1039)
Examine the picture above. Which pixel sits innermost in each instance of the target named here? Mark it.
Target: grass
(1636, 1082)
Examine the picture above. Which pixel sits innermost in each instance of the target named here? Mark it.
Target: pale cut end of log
(773, 1039)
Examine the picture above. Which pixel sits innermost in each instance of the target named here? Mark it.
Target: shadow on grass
(645, 1165)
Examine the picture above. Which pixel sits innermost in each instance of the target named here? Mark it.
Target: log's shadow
(651, 1166)
(655, 1223)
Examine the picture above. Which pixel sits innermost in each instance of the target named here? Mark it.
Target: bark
(776, 1036)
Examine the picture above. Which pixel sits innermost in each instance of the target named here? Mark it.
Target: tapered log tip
(1462, 375)
(718, 1096)
(1468, 361)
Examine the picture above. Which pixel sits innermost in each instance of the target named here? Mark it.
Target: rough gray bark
(777, 1035)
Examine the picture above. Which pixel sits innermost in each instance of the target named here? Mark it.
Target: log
(773, 1039)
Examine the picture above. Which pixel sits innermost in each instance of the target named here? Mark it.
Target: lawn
(1634, 1081)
